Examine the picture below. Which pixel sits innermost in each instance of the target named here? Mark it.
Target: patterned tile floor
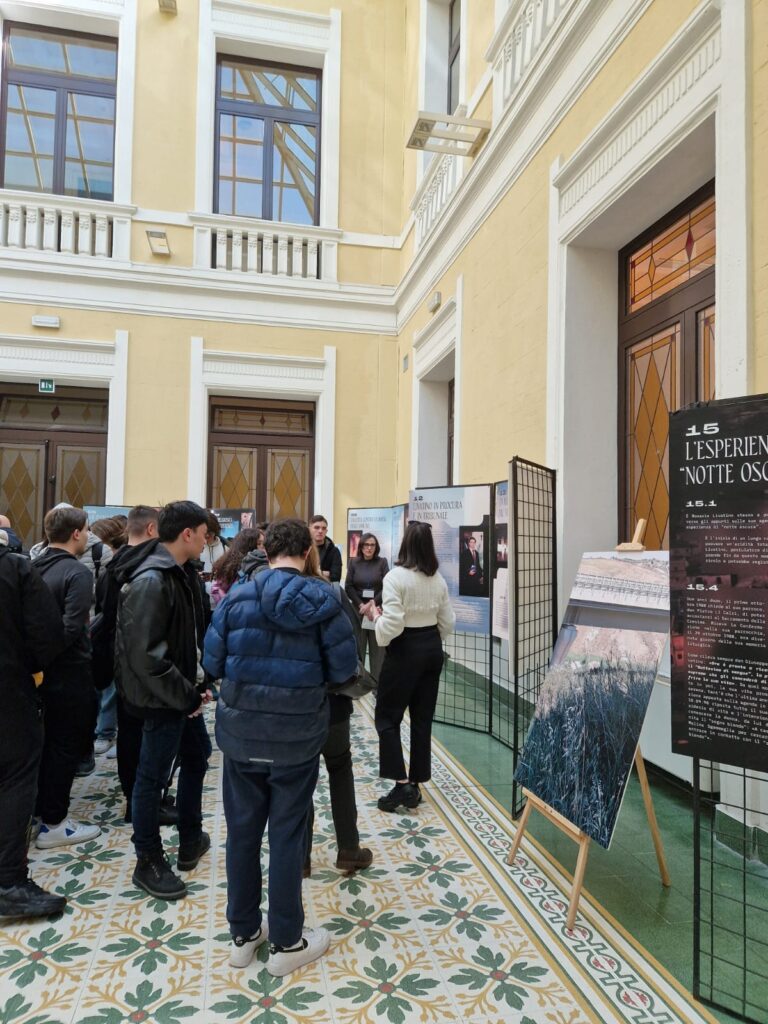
(439, 929)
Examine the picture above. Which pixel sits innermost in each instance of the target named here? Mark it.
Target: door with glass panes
(666, 353)
(261, 456)
(52, 448)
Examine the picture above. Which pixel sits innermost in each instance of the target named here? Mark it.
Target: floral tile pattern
(438, 929)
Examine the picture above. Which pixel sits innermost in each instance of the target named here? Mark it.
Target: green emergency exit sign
(46, 386)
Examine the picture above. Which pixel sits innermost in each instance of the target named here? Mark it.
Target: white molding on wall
(700, 73)
(595, 30)
(434, 341)
(71, 361)
(264, 376)
(274, 33)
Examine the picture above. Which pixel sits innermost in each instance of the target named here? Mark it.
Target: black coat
(31, 628)
(330, 560)
(71, 584)
(156, 639)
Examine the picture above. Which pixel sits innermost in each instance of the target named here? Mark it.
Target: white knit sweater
(411, 599)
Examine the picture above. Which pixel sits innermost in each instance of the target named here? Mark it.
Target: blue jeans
(255, 794)
(106, 723)
(161, 740)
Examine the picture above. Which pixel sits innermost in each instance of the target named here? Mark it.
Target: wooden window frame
(268, 114)
(679, 305)
(62, 85)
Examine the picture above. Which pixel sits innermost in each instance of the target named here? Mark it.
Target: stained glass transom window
(672, 257)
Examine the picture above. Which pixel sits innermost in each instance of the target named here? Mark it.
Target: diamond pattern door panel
(287, 483)
(234, 477)
(22, 488)
(653, 392)
(80, 474)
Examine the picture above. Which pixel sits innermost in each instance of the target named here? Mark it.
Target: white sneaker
(314, 942)
(242, 950)
(102, 746)
(112, 752)
(67, 833)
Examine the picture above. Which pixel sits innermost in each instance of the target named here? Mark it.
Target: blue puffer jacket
(275, 642)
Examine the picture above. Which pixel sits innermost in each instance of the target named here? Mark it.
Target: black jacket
(330, 560)
(31, 629)
(14, 544)
(156, 638)
(71, 584)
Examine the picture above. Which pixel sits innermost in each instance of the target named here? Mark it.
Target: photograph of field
(582, 741)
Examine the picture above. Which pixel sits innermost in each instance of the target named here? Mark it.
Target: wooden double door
(261, 455)
(52, 448)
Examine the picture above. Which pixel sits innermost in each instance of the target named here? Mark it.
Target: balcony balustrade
(64, 226)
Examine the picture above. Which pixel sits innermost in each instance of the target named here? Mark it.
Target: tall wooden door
(666, 353)
(261, 456)
(52, 448)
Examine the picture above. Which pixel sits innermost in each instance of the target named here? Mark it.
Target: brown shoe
(354, 860)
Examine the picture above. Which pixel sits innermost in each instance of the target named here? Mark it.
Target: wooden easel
(568, 828)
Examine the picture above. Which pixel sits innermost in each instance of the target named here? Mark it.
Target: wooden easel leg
(578, 882)
(521, 825)
(658, 845)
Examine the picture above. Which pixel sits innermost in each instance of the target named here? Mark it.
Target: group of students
(284, 644)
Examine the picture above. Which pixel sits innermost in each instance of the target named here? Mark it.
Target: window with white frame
(454, 54)
(57, 124)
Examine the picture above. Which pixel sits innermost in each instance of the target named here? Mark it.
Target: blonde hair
(312, 564)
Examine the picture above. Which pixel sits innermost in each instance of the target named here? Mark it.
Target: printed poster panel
(499, 586)
(460, 519)
(386, 524)
(233, 520)
(579, 751)
(719, 581)
(96, 512)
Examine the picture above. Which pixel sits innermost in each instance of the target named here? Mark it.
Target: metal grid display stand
(533, 574)
(731, 893)
(490, 685)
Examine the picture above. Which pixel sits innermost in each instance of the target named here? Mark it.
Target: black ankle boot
(189, 856)
(153, 874)
(403, 794)
(27, 899)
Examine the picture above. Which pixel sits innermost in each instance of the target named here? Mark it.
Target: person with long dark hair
(415, 617)
(364, 582)
(227, 568)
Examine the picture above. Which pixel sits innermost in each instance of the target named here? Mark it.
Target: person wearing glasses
(412, 622)
(365, 578)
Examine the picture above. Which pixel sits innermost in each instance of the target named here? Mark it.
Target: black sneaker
(168, 815)
(403, 794)
(189, 856)
(153, 874)
(28, 900)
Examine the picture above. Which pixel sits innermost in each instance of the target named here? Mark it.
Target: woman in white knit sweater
(415, 617)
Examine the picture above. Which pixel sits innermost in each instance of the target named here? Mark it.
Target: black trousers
(21, 743)
(69, 718)
(341, 780)
(129, 730)
(409, 680)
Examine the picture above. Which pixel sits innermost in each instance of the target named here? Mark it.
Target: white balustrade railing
(521, 36)
(434, 194)
(64, 226)
(265, 248)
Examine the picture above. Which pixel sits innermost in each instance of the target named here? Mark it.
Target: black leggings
(409, 680)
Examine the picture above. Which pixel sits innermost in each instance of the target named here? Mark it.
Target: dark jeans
(409, 680)
(129, 730)
(69, 717)
(255, 794)
(161, 740)
(338, 762)
(21, 744)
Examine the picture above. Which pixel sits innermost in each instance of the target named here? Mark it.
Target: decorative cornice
(693, 53)
(57, 352)
(242, 364)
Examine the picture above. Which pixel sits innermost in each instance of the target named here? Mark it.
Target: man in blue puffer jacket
(275, 642)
